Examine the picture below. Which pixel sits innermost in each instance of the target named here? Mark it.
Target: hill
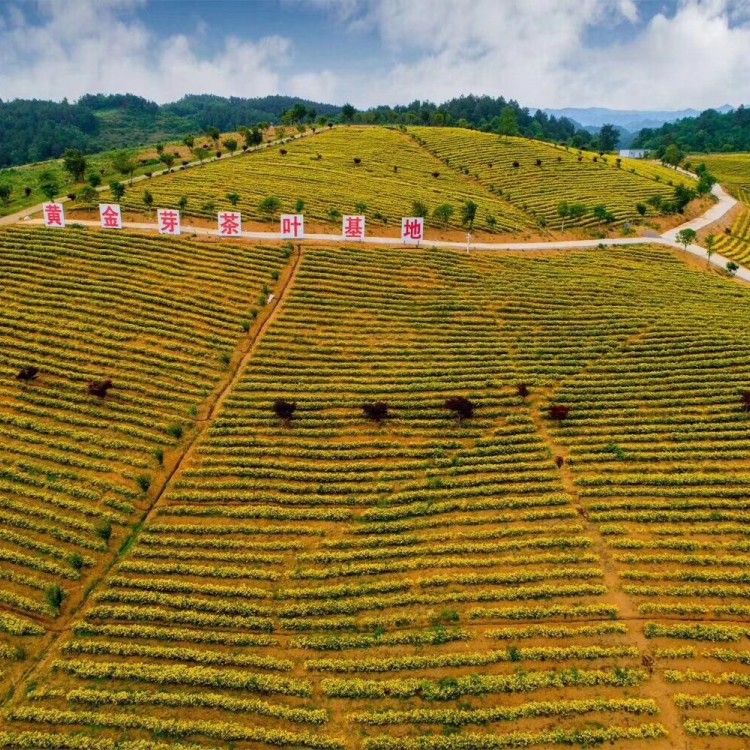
(733, 171)
(328, 581)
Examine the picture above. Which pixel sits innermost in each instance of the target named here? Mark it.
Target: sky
(622, 54)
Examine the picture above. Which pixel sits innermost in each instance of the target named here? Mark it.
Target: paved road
(724, 204)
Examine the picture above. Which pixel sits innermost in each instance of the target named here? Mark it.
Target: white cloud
(90, 46)
(536, 52)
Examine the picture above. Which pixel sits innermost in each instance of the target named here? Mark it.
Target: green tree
(299, 206)
(230, 144)
(443, 213)
(87, 195)
(49, 185)
(200, 153)
(641, 208)
(148, 200)
(608, 138)
(95, 179)
(673, 155)
(710, 246)
(577, 211)
(214, 134)
(348, 112)
(270, 206)
(686, 237)
(74, 163)
(508, 122)
(124, 164)
(182, 203)
(360, 207)
(468, 213)
(563, 211)
(167, 159)
(732, 268)
(419, 209)
(233, 198)
(117, 189)
(5, 193)
(602, 214)
(189, 141)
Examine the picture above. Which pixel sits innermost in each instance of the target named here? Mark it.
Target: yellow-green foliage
(565, 174)
(320, 170)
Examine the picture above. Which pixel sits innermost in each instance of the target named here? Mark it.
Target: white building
(633, 153)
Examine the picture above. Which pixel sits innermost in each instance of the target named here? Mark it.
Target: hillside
(733, 171)
(330, 582)
(547, 175)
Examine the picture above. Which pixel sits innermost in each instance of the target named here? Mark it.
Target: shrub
(375, 411)
(558, 412)
(436, 175)
(175, 431)
(159, 456)
(103, 529)
(746, 401)
(522, 390)
(75, 560)
(143, 482)
(559, 461)
(100, 387)
(284, 409)
(516, 165)
(357, 160)
(54, 596)
(461, 406)
(28, 373)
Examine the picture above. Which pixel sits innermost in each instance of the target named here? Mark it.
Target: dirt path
(242, 357)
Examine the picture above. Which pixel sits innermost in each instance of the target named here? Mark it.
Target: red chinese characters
(54, 215)
(230, 224)
(110, 216)
(168, 221)
(292, 226)
(354, 227)
(412, 229)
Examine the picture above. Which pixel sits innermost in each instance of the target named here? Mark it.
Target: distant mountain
(631, 120)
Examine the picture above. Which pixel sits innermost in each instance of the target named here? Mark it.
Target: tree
(94, 179)
(705, 183)
(682, 196)
(189, 141)
(233, 198)
(87, 195)
(182, 203)
(443, 213)
(376, 411)
(100, 387)
(200, 153)
(602, 214)
(74, 163)
(641, 208)
(732, 268)
(160, 148)
(284, 409)
(508, 124)
(558, 412)
(419, 209)
(710, 246)
(360, 207)
(214, 134)
(28, 373)
(608, 138)
(167, 159)
(48, 185)
(348, 112)
(686, 237)
(124, 164)
(673, 155)
(299, 206)
(468, 213)
(117, 189)
(461, 407)
(270, 206)
(577, 211)
(148, 200)
(5, 193)
(230, 144)
(563, 211)
(522, 390)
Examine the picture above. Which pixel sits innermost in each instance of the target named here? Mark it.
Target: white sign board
(292, 226)
(412, 229)
(54, 214)
(353, 227)
(230, 224)
(110, 216)
(168, 220)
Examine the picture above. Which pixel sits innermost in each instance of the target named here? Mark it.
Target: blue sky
(626, 54)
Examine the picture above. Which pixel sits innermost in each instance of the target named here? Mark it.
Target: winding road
(724, 204)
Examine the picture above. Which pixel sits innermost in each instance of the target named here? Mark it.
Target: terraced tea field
(547, 175)
(159, 318)
(392, 173)
(501, 581)
(732, 171)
